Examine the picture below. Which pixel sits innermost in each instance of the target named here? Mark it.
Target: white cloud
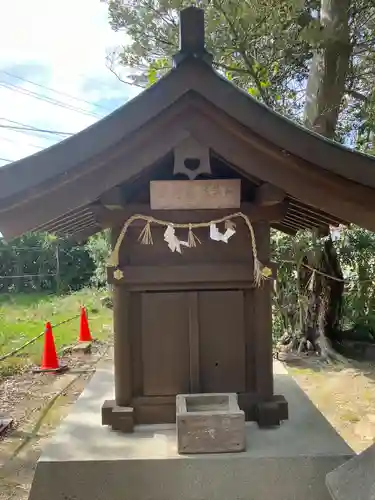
(61, 44)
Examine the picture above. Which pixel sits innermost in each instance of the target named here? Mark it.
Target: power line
(47, 99)
(29, 130)
(53, 90)
(36, 146)
(29, 126)
(34, 129)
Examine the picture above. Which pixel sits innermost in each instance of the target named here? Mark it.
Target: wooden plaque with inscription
(196, 194)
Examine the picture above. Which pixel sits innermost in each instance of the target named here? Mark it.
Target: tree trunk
(326, 351)
(324, 94)
(329, 67)
(318, 289)
(333, 290)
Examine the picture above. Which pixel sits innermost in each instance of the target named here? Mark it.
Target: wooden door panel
(222, 341)
(165, 343)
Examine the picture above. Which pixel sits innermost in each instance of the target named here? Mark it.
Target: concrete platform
(86, 461)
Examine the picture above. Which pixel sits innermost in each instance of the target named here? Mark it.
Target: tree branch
(127, 82)
(356, 95)
(242, 50)
(231, 68)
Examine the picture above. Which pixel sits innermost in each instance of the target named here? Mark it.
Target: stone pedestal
(88, 461)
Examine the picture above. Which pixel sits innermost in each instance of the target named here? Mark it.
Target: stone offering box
(209, 423)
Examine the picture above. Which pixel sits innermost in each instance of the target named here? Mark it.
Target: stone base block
(107, 408)
(87, 461)
(267, 412)
(120, 418)
(209, 423)
(283, 406)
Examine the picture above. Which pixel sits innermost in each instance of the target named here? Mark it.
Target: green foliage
(289, 301)
(252, 42)
(263, 46)
(356, 252)
(30, 263)
(98, 248)
(356, 249)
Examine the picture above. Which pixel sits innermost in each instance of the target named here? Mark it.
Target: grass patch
(23, 316)
(350, 416)
(303, 371)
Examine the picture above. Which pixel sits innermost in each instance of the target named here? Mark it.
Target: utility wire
(29, 131)
(55, 91)
(48, 100)
(8, 139)
(34, 129)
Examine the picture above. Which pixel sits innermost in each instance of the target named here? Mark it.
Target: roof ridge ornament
(192, 39)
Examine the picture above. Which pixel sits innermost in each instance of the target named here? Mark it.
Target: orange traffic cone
(50, 362)
(84, 330)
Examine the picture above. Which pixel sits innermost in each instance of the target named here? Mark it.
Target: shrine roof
(68, 177)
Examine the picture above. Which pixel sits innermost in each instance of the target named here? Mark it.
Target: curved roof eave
(190, 75)
(293, 137)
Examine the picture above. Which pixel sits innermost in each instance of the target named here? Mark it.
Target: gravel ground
(25, 398)
(345, 395)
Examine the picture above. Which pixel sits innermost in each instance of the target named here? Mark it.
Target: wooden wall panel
(222, 341)
(165, 343)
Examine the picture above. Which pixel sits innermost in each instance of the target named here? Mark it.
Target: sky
(62, 45)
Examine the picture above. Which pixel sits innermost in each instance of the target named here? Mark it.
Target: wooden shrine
(194, 322)
(176, 168)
